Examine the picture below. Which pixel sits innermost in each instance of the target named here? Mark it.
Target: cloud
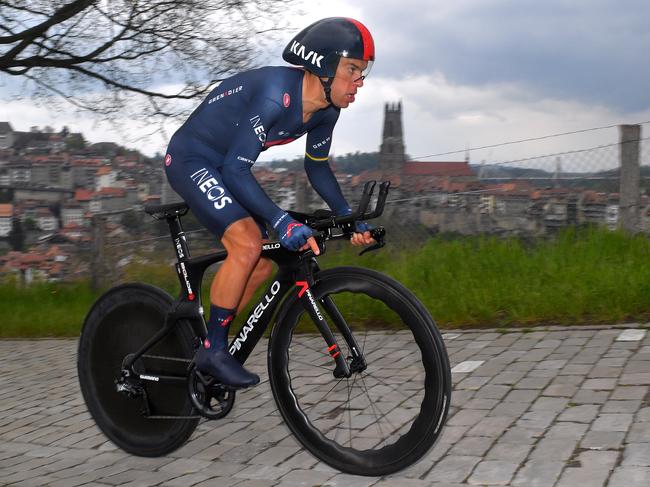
(441, 116)
(592, 51)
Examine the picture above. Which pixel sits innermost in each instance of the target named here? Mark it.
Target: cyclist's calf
(261, 273)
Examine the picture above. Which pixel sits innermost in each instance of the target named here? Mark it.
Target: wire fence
(531, 195)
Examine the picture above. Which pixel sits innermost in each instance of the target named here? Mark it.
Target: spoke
(349, 388)
(321, 398)
(311, 364)
(350, 411)
(378, 379)
(372, 406)
(320, 352)
(336, 434)
(391, 386)
(377, 344)
(383, 415)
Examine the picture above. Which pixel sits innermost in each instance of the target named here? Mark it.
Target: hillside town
(52, 185)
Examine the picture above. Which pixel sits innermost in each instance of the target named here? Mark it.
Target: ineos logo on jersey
(210, 186)
(258, 128)
(313, 57)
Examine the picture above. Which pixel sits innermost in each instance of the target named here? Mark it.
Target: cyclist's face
(348, 79)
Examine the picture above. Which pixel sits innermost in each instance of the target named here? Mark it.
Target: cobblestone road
(563, 407)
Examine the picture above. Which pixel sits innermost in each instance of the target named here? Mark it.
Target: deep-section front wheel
(139, 420)
(390, 412)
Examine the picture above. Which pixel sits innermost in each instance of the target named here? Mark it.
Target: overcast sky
(469, 73)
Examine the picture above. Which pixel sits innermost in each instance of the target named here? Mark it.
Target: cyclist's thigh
(260, 223)
(198, 181)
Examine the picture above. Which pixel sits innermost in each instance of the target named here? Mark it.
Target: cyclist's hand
(311, 244)
(362, 234)
(295, 235)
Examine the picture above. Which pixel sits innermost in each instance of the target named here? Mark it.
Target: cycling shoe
(224, 368)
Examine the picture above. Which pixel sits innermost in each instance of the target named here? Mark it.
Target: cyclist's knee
(248, 253)
(243, 242)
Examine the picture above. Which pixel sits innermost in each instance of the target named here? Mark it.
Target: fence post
(97, 255)
(630, 135)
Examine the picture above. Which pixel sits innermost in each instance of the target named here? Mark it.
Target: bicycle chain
(160, 357)
(184, 360)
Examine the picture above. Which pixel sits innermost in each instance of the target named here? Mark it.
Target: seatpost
(178, 237)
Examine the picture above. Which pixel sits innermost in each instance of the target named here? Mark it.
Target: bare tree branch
(61, 15)
(105, 55)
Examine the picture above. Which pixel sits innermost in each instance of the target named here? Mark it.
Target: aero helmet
(319, 47)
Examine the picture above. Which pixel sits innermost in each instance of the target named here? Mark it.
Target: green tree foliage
(75, 142)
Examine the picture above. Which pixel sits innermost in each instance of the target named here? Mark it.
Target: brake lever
(378, 234)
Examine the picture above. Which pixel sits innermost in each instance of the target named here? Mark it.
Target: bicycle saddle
(166, 211)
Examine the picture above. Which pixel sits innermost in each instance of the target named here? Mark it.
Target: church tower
(391, 153)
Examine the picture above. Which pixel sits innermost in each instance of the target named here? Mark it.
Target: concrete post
(630, 135)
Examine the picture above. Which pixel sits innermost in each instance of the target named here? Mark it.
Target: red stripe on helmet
(368, 42)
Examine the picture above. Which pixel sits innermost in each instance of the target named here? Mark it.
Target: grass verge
(580, 276)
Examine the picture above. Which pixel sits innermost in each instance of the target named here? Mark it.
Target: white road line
(467, 366)
(631, 335)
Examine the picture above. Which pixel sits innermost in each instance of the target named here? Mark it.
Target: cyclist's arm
(244, 150)
(318, 169)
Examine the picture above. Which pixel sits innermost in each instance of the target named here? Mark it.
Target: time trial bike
(356, 364)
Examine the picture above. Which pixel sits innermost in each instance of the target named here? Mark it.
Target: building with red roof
(447, 169)
(6, 217)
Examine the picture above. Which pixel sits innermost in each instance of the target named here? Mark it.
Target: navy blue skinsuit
(209, 159)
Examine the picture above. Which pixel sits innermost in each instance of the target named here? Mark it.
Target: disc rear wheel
(142, 416)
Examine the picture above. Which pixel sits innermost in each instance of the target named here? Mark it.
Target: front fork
(304, 283)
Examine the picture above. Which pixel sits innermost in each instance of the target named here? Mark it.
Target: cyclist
(209, 158)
